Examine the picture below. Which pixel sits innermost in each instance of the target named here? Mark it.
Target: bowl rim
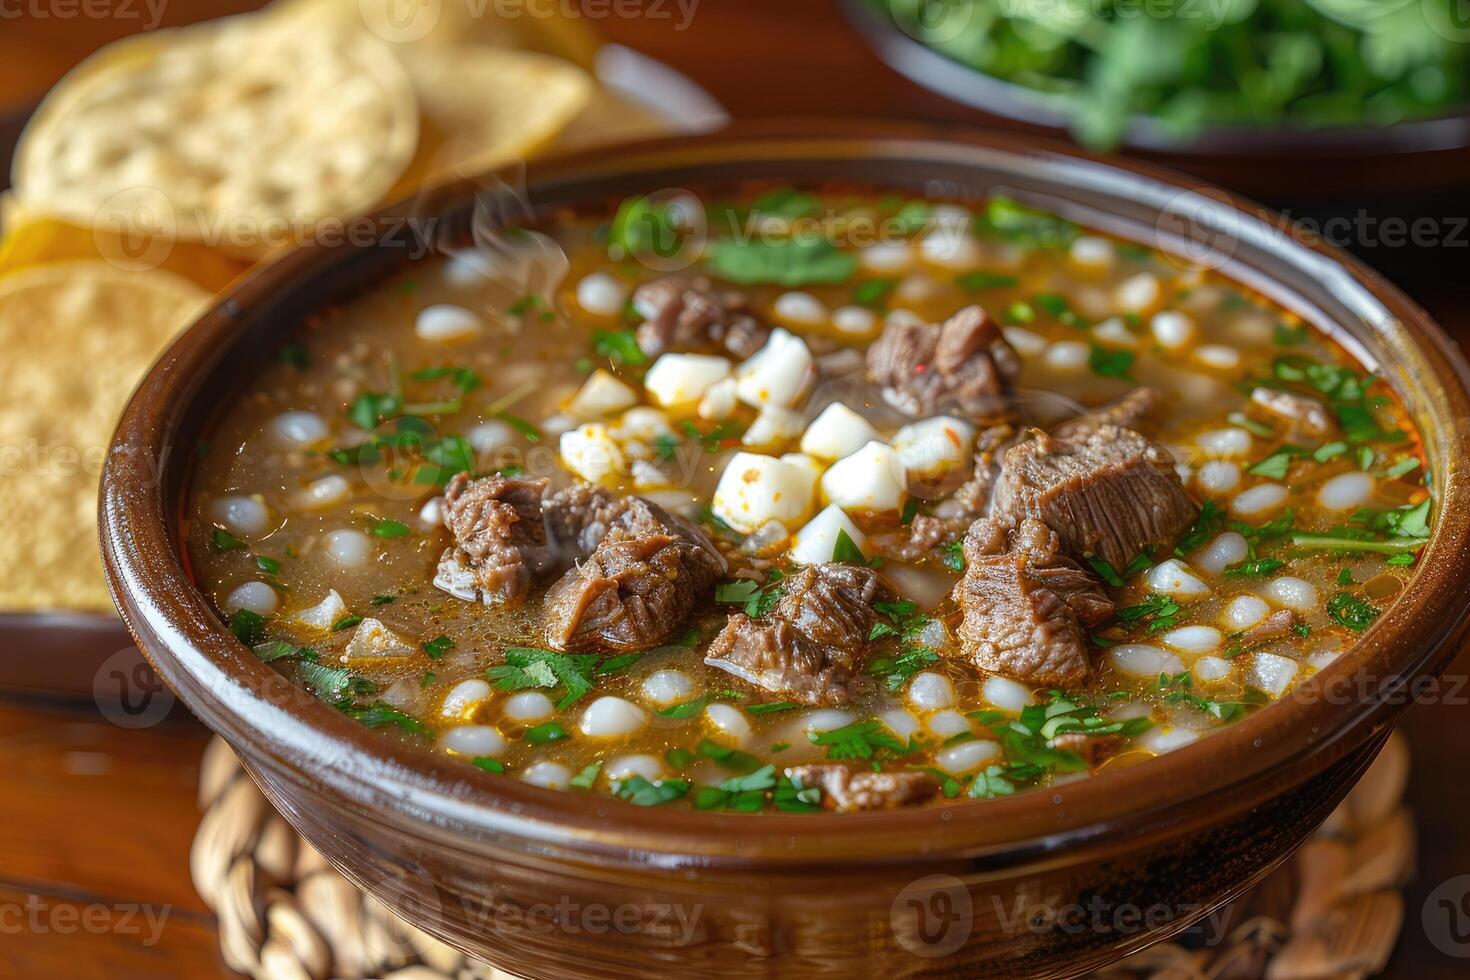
(281, 727)
(959, 83)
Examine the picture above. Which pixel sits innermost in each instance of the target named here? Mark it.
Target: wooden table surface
(97, 819)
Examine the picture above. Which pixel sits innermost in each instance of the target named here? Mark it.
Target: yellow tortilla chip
(243, 133)
(79, 336)
(32, 239)
(481, 107)
(610, 118)
(539, 27)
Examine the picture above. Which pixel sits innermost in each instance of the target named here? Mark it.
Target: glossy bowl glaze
(550, 884)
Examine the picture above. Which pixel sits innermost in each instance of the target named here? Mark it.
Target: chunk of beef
(692, 315)
(963, 364)
(1094, 749)
(1127, 412)
(500, 546)
(579, 516)
(646, 575)
(809, 646)
(972, 499)
(848, 789)
(1111, 493)
(1273, 627)
(923, 538)
(1026, 607)
(1303, 414)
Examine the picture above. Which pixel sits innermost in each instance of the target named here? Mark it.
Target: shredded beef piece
(693, 315)
(500, 544)
(1304, 414)
(1273, 627)
(1026, 607)
(848, 790)
(924, 368)
(808, 647)
(641, 582)
(1111, 493)
(1094, 749)
(1127, 412)
(578, 517)
(972, 499)
(923, 538)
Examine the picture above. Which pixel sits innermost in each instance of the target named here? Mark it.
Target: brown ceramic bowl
(1050, 883)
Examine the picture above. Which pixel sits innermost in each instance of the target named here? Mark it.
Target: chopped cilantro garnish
(976, 281)
(248, 627)
(771, 707)
(639, 791)
(383, 600)
(1351, 611)
(1110, 363)
(346, 623)
(526, 429)
(268, 565)
(380, 715)
(846, 550)
(954, 556)
(438, 646)
(221, 541)
(618, 346)
(1253, 569)
(551, 731)
(687, 709)
(487, 764)
(860, 740)
(390, 529)
(527, 667)
(587, 778)
(873, 292)
(756, 599)
(782, 262)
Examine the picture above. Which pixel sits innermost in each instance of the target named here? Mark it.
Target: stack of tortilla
(165, 165)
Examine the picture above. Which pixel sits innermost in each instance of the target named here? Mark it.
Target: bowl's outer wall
(784, 895)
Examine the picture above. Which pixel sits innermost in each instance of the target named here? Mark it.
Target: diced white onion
(325, 614)
(1210, 669)
(601, 394)
(773, 428)
(590, 452)
(1114, 331)
(1092, 252)
(816, 542)
(682, 379)
(1272, 673)
(900, 722)
(826, 720)
(755, 489)
(935, 445)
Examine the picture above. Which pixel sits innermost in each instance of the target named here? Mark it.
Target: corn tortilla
(78, 337)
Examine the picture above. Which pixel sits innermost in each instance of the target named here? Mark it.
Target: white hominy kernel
(1194, 639)
(951, 217)
(1346, 491)
(826, 720)
(1068, 355)
(665, 687)
(719, 401)
(464, 698)
(1137, 293)
(777, 374)
(601, 294)
(854, 320)
(1209, 669)
(348, 548)
(558, 425)
(1218, 476)
(551, 775)
(244, 516)
(326, 492)
(917, 288)
(1259, 499)
(256, 597)
(1173, 330)
(1295, 594)
(486, 437)
(445, 322)
(468, 267)
(1006, 694)
(1092, 252)
(647, 766)
(1114, 331)
(1027, 343)
(611, 717)
(1244, 612)
(432, 513)
(1177, 579)
(603, 393)
(1218, 356)
(800, 308)
(967, 756)
(871, 479)
(1323, 660)
(1226, 550)
(929, 690)
(1272, 673)
(950, 248)
(1167, 738)
(472, 740)
(728, 720)
(295, 429)
(1128, 710)
(528, 707)
(1142, 660)
(886, 258)
(900, 722)
(1225, 442)
(837, 432)
(948, 723)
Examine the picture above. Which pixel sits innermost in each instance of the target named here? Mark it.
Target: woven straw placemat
(1333, 912)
